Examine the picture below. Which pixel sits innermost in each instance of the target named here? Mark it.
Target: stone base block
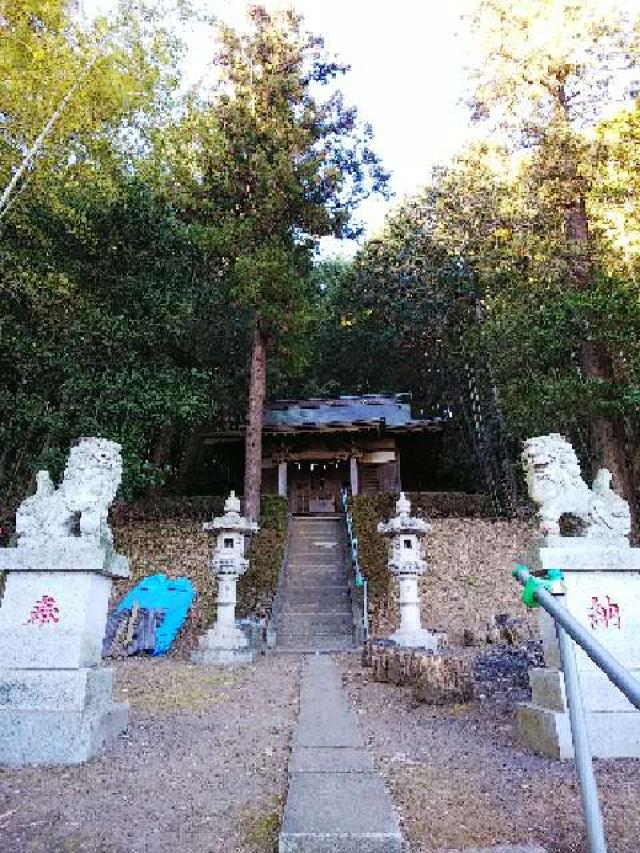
(612, 734)
(58, 737)
(208, 653)
(56, 689)
(224, 647)
(224, 657)
(421, 639)
(598, 693)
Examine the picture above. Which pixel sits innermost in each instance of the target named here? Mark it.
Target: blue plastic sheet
(172, 595)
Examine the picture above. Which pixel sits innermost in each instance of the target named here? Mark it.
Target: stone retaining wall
(164, 535)
(468, 579)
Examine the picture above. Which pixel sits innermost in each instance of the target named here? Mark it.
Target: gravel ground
(459, 777)
(201, 768)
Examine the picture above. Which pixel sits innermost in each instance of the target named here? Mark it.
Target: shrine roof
(369, 411)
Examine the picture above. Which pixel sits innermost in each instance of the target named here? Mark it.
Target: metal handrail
(360, 579)
(547, 592)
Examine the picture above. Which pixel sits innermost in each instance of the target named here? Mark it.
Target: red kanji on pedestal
(46, 610)
(607, 615)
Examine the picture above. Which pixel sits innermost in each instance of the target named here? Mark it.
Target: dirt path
(202, 768)
(460, 780)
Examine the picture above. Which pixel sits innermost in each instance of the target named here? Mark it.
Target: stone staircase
(316, 613)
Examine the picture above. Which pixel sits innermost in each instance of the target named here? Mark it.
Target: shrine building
(314, 448)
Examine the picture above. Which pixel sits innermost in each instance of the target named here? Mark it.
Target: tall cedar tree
(286, 164)
(547, 70)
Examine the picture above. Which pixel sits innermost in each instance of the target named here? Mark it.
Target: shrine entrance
(314, 486)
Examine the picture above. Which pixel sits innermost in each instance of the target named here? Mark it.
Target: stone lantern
(405, 533)
(225, 643)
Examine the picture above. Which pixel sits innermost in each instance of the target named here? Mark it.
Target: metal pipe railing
(360, 579)
(548, 593)
(581, 748)
(614, 671)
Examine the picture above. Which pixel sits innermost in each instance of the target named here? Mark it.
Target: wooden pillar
(282, 479)
(353, 463)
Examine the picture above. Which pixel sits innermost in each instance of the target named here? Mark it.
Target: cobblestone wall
(468, 579)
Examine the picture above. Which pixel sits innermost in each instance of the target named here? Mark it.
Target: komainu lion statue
(556, 486)
(80, 505)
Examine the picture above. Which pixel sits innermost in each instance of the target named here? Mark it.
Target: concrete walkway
(336, 802)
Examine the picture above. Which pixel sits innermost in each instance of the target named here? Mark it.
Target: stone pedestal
(56, 702)
(405, 533)
(225, 644)
(602, 580)
(411, 633)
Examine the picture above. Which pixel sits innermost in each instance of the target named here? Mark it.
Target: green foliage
(121, 74)
(474, 271)
(98, 329)
(257, 588)
(273, 162)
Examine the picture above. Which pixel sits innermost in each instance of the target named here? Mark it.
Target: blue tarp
(172, 595)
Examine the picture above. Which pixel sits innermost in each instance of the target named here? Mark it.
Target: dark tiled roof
(348, 413)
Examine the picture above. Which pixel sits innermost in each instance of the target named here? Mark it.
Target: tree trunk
(608, 442)
(253, 445)
(608, 446)
(188, 459)
(161, 454)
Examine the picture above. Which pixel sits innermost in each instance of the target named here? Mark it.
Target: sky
(408, 79)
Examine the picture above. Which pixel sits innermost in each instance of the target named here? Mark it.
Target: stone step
(310, 547)
(322, 646)
(305, 604)
(342, 624)
(322, 526)
(296, 629)
(316, 608)
(332, 532)
(317, 519)
(326, 580)
(303, 594)
(321, 574)
(316, 583)
(315, 627)
(310, 588)
(334, 642)
(304, 590)
(320, 555)
(325, 618)
(320, 540)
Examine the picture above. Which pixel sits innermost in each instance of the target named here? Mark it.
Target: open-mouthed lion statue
(80, 505)
(556, 486)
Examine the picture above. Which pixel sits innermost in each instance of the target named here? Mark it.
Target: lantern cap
(231, 521)
(404, 522)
